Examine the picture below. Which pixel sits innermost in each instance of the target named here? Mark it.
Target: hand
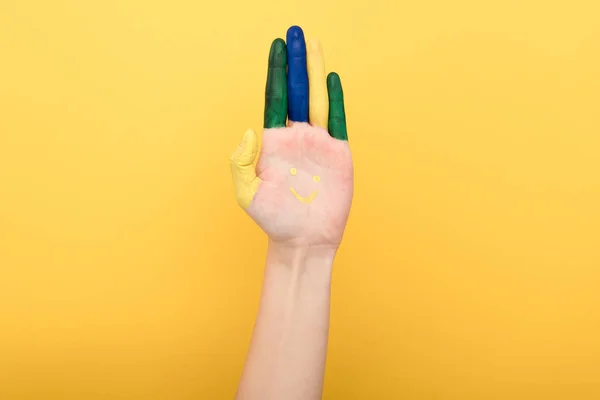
(301, 190)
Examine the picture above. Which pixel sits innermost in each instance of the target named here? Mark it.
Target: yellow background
(471, 263)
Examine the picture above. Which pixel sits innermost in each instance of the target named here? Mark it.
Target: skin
(300, 195)
(309, 199)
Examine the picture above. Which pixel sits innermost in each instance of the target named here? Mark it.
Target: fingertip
(278, 54)
(314, 46)
(333, 80)
(296, 44)
(295, 38)
(249, 135)
(334, 87)
(278, 42)
(246, 151)
(252, 139)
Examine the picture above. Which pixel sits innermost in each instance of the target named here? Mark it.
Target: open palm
(301, 189)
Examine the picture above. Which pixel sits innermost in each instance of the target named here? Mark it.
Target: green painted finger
(337, 114)
(276, 102)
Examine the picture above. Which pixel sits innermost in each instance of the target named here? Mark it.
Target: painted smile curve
(306, 200)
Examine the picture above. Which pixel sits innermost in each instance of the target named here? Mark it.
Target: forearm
(287, 355)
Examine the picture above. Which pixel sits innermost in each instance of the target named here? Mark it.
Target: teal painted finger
(337, 114)
(276, 101)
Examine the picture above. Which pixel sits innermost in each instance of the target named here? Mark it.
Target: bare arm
(287, 354)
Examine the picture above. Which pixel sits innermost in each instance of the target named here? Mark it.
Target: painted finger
(297, 79)
(337, 114)
(242, 169)
(317, 86)
(276, 90)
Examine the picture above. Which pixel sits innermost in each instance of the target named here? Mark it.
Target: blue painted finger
(297, 79)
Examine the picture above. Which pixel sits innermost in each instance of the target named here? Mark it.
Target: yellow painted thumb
(242, 168)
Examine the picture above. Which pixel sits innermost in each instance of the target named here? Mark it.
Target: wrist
(295, 256)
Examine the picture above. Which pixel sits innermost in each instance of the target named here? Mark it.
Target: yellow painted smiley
(305, 200)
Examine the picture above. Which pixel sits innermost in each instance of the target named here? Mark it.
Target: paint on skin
(297, 79)
(278, 105)
(276, 100)
(311, 197)
(241, 162)
(337, 113)
(305, 200)
(317, 86)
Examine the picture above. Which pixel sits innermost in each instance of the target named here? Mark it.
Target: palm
(306, 185)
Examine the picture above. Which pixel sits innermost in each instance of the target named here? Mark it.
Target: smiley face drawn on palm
(306, 185)
(301, 189)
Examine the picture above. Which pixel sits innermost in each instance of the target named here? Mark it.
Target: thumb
(242, 169)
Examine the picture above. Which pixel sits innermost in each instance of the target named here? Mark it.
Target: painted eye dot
(293, 171)
(317, 179)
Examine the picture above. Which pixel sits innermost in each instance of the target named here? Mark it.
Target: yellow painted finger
(242, 169)
(317, 81)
